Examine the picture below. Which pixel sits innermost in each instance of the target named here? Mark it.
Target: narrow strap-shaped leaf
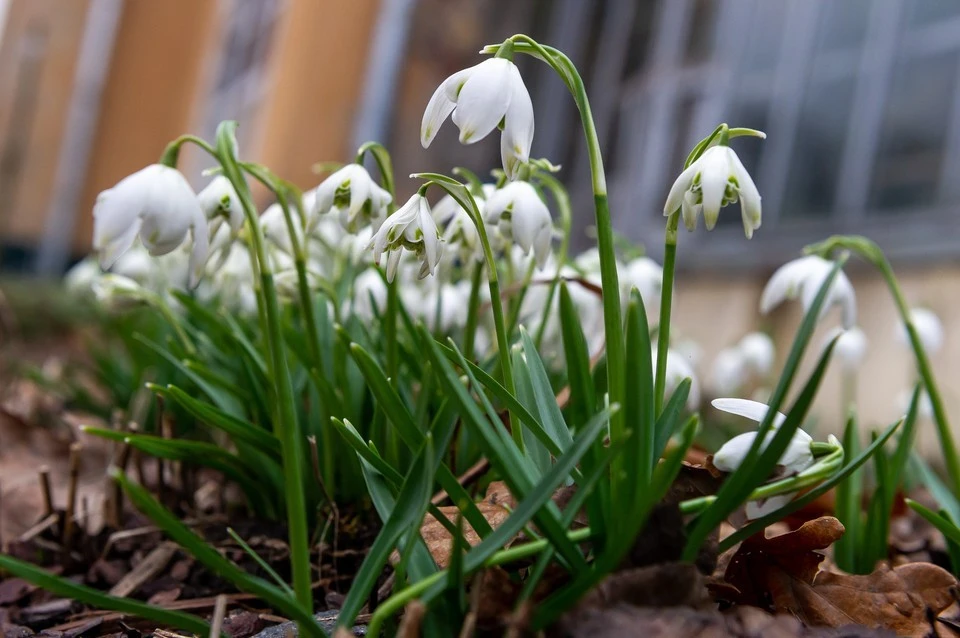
(669, 419)
(501, 451)
(582, 398)
(848, 503)
(214, 560)
(407, 514)
(66, 588)
(222, 399)
(523, 386)
(235, 427)
(901, 455)
(546, 400)
(638, 458)
(942, 523)
(941, 493)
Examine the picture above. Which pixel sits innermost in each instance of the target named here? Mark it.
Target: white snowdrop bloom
(157, 204)
(523, 218)
(795, 459)
(928, 327)
(411, 228)
(273, 223)
(924, 407)
(136, 264)
(678, 369)
(715, 180)
(479, 99)
(729, 372)
(353, 197)
(443, 308)
(646, 276)
(220, 203)
(117, 292)
(460, 234)
(758, 352)
(369, 295)
(81, 276)
(851, 346)
(803, 278)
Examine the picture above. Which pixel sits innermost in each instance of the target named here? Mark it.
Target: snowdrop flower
(803, 278)
(352, 195)
(758, 352)
(851, 347)
(411, 227)
(646, 276)
(220, 203)
(928, 328)
(275, 230)
(479, 99)
(795, 459)
(117, 292)
(679, 369)
(715, 180)
(924, 404)
(80, 278)
(369, 295)
(157, 204)
(729, 372)
(523, 217)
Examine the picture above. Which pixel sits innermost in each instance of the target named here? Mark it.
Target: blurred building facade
(860, 100)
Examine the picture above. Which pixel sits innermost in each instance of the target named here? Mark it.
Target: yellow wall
(717, 312)
(154, 81)
(57, 27)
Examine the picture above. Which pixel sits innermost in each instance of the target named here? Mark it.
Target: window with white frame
(860, 100)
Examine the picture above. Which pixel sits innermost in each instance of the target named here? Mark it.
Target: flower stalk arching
(286, 426)
(462, 194)
(609, 278)
(871, 253)
(385, 165)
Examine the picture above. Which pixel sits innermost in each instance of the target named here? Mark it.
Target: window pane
(923, 12)
(818, 146)
(843, 24)
(912, 134)
(764, 35)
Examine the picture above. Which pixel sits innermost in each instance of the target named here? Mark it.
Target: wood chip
(146, 570)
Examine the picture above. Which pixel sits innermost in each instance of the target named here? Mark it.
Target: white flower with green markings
(795, 459)
(523, 218)
(717, 179)
(157, 204)
(478, 100)
(410, 228)
(353, 196)
(803, 278)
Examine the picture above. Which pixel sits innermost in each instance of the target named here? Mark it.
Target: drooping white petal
(758, 352)
(841, 292)
(749, 409)
(441, 104)
(759, 509)
(750, 209)
(219, 199)
(714, 174)
(729, 372)
(517, 136)
(786, 282)
(680, 186)
(483, 100)
(851, 346)
(928, 327)
(731, 454)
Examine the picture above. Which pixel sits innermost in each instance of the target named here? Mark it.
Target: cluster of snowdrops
(392, 344)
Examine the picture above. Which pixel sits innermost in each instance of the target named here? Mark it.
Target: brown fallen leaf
(495, 507)
(783, 573)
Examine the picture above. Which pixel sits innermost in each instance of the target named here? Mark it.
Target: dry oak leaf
(495, 507)
(784, 573)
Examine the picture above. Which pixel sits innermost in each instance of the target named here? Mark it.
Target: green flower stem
(612, 318)
(517, 300)
(473, 312)
(280, 190)
(823, 469)
(666, 307)
(397, 602)
(562, 199)
(385, 165)
(869, 251)
(286, 426)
